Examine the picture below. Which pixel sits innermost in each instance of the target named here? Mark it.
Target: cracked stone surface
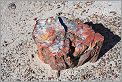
(19, 59)
(63, 43)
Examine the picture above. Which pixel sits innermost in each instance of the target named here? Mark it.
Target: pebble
(12, 6)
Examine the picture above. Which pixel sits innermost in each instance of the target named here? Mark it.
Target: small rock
(12, 6)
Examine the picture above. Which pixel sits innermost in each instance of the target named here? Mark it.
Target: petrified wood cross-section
(63, 43)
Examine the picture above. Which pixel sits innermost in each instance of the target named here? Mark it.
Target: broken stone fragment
(64, 43)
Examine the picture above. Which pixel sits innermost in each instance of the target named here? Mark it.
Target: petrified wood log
(64, 43)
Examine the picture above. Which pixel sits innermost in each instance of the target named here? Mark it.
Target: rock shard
(63, 43)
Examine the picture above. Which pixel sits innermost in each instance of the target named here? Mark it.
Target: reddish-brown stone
(67, 44)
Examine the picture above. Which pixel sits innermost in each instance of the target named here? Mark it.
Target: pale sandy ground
(17, 45)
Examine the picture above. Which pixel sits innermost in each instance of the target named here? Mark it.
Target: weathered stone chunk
(64, 43)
